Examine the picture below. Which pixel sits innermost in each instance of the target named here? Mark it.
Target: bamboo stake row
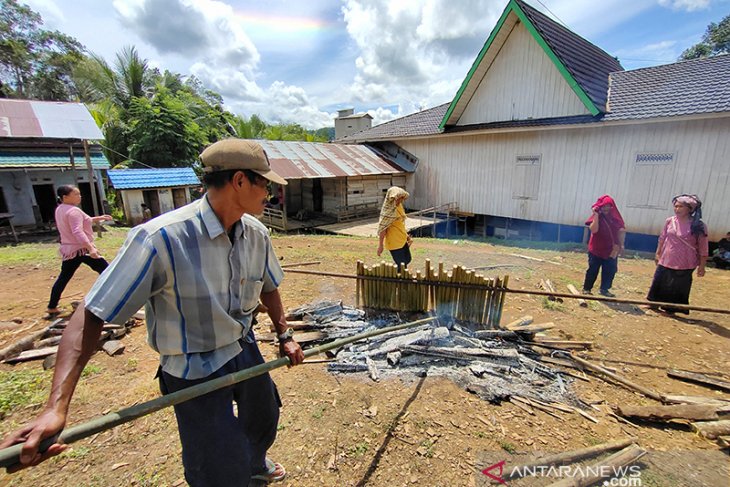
(414, 291)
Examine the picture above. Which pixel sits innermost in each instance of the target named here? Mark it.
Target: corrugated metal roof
(301, 160)
(47, 119)
(14, 159)
(152, 178)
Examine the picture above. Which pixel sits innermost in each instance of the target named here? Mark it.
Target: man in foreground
(200, 271)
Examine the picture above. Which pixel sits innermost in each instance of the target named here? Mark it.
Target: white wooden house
(545, 122)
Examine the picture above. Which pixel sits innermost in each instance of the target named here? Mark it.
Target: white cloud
(414, 53)
(201, 29)
(687, 5)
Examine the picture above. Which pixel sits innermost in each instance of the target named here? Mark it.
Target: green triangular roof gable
(583, 66)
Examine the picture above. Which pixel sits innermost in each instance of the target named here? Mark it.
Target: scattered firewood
(524, 321)
(721, 405)
(534, 259)
(593, 474)
(492, 334)
(32, 355)
(47, 342)
(569, 457)
(23, 344)
(693, 412)
(701, 379)
(372, 369)
(712, 429)
(574, 291)
(564, 343)
(532, 329)
(113, 347)
(548, 286)
(535, 405)
(631, 385)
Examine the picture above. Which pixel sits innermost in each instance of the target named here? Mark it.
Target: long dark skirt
(671, 286)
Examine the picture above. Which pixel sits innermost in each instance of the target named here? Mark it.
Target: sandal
(52, 315)
(270, 475)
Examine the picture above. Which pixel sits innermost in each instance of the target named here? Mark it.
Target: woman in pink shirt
(77, 242)
(682, 248)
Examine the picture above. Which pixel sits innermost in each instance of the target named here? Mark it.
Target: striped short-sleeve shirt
(199, 286)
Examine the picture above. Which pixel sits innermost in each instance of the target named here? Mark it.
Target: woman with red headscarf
(606, 242)
(682, 248)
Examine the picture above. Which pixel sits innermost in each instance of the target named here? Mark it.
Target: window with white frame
(651, 179)
(526, 177)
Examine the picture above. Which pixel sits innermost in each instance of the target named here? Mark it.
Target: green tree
(163, 131)
(35, 63)
(715, 41)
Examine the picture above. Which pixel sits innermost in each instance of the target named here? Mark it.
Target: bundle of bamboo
(460, 294)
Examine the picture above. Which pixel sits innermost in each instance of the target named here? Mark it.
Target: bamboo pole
(543, 293)
(502, 297)
(10, 456)
(631, 385)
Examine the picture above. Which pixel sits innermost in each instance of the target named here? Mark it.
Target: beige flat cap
(239, 154)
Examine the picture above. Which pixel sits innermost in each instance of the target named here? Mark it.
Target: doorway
(317, 195)
(87, 203)
(45, 198)
(178, 197)
(152, 200)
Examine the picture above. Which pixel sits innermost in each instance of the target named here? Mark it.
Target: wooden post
(73, 163)
(92, 185)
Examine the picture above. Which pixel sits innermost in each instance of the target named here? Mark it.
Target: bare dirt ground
(426, 431)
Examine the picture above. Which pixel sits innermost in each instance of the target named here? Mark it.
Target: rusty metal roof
(47, 119)
(301, 160)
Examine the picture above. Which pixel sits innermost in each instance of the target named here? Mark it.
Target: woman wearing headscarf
(77, 242)
(606, 242)
(682, 248)
(392, 227)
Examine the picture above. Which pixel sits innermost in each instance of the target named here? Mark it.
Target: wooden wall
(577, 165)
(522, 83)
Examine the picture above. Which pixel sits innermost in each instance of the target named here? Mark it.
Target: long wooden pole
(10, 456)
(92, 186)
(523, 291)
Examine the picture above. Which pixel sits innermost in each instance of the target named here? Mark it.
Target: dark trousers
(220, 447)
(68, 269)
(608, 268)
(401, 256)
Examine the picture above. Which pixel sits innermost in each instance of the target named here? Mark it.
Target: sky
(302, 60)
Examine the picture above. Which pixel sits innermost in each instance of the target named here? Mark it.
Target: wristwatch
(286, 335)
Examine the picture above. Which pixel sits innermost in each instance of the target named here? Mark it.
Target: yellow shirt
(395, 235)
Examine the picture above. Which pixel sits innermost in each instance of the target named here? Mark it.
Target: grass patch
(319, 412)
(507, 446)
(91, 369)
(360, 449)
(34, 253)
(552, 305)
(19, 388)
(76, 452)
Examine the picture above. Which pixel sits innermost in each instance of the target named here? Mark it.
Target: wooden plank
(592, 475)
(32, 355)
(574, 291)
(701, 379)
(693, 412)
(113, 347)
(712, 429)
